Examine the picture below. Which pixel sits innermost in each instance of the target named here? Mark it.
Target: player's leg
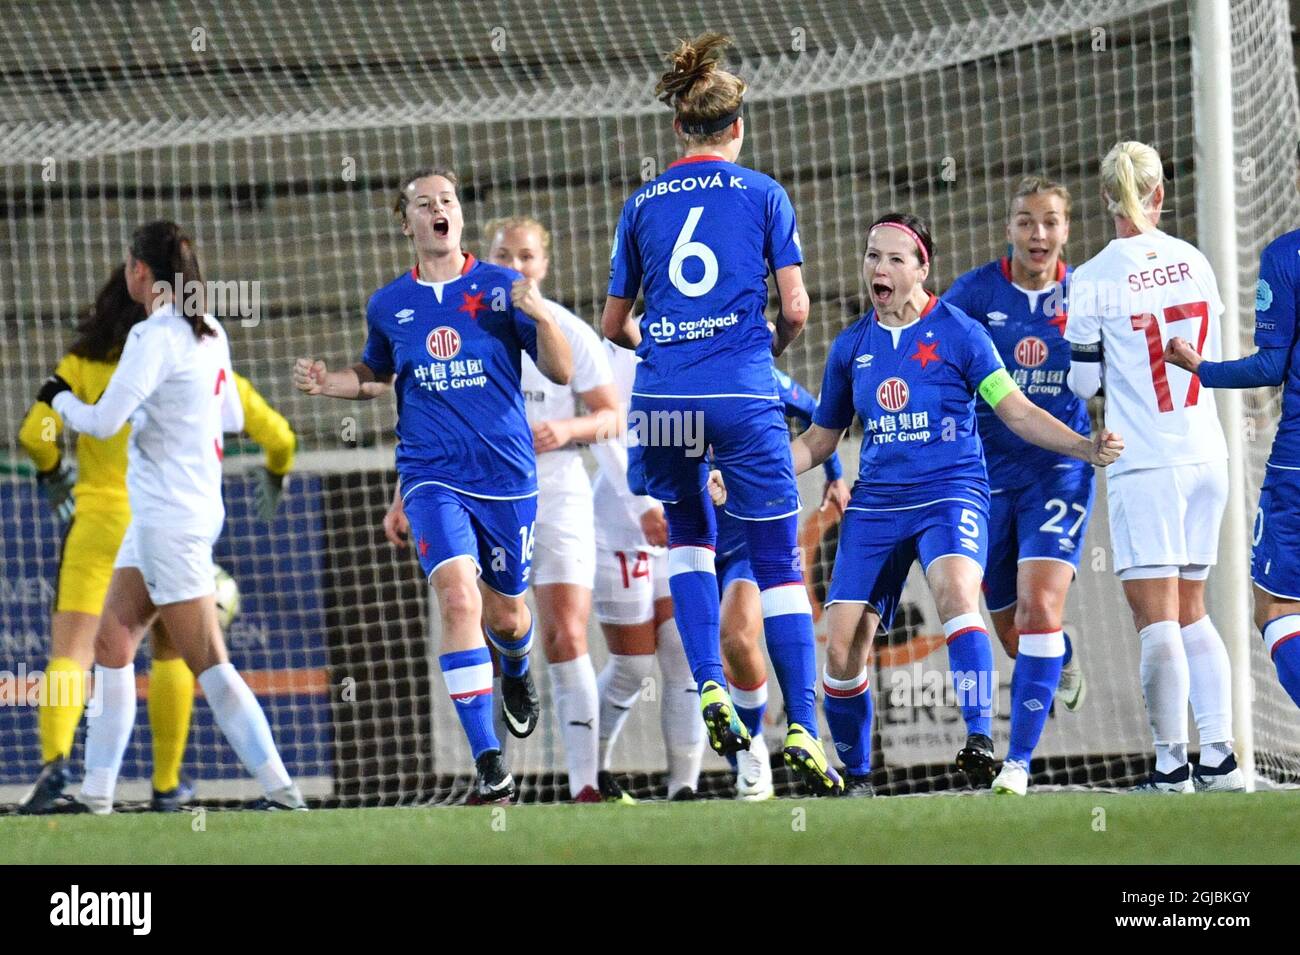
(871, 566)
(742, 628)
(1275, 569)
(171, 702)
(623, 602)
(563, 610)
(127, 613)
(1002, 568)
(952, 544)
(679, 704)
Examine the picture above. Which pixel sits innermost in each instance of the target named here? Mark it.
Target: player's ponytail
(103, 327)
(1130, 174)
(705, 98)
(169, 252)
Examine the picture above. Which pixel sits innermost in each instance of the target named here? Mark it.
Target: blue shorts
(877, 549)
(1275, 554)
(1044, 521)
(496, 534)
(751, 446)
(733, 565)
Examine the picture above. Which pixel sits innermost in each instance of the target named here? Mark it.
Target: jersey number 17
(1146, 322)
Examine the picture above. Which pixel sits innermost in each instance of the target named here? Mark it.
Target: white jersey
(1132, 297)
(179, 394)
(618, 511)
(562, 470)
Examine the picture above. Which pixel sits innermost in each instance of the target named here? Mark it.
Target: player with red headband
(910, 370)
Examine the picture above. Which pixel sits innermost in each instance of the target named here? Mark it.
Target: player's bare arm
(554, 356)
(813, 447)
(1037, 426)
(794, 307)
(358, 382)
(616, 323)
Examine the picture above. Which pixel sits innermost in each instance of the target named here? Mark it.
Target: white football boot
(1013, 780)
(754, 772)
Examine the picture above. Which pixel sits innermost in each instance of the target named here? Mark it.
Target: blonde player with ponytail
(1167, 493)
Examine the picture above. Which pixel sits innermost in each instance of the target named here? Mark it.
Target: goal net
(278, 134)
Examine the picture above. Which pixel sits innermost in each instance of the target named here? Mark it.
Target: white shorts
(564, 542)
(1167, 517)
(176, 565)
(628, 582)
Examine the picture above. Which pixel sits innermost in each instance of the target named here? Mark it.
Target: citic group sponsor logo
(443, 342)
(1031, 351)
(892, 394)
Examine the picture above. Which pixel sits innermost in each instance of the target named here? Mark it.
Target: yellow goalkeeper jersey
(101, 464)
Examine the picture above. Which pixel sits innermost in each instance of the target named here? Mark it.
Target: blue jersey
(1028, 330)
(916, 401)
(454, 348)
(799, 406)
(1276, 299)
(700, 240)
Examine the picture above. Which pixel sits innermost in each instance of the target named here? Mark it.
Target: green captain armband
(997, 386)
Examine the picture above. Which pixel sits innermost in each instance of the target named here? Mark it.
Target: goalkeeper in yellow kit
(92, 499)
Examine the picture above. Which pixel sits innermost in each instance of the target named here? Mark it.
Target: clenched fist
(309, 375)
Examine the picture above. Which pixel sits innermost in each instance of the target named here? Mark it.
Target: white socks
(679, 714)
(244, 724)
(1211, 689)
(108, 731)
(620, 684)
(1166, 686)
(577, 710)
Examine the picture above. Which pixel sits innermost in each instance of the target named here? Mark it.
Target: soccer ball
(227, 599)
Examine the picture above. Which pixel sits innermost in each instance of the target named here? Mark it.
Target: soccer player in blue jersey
(699, 241)
(448, 336)
(1275, 556)
(741, 606)
(1040, 500)
(910, 370)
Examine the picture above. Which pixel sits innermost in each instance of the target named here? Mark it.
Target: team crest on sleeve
(443, 342)
(1031, 351)
(892, 394)
(1263, 296)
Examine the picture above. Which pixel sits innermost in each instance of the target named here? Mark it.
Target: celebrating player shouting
(700, 240)
(1040, 500)
(1275, 557)
(1167, 494)
(910, 370)
(448, 335)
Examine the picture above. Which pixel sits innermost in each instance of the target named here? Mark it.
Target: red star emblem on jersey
(424, 547)
(926, 352)
(472, 304)
(1058, 322)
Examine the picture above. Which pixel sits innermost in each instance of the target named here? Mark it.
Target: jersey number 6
(684, 248)
(1146, 322)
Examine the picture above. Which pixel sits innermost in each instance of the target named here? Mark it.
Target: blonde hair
(1033, 185)
(698, 89)
(517, 222)
(1130, 174)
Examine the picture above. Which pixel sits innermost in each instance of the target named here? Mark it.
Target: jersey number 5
(684, 248)
(1146, 322)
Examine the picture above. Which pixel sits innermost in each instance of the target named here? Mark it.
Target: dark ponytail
(103, 327)
(169, 252)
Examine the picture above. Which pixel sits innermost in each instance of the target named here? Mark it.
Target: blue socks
(847, 704)
(970, 657)
(1069, 650)
(787, 615)
(1033, 684)
(512, 652)
(1282, 637)
(468, 674)
(692, 534)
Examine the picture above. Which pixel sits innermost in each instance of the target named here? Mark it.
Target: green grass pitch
(1046, 828)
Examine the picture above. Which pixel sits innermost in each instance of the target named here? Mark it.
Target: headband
(920, 246)
(704, 127)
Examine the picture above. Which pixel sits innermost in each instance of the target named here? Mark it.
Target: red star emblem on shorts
(926, 352)
(424, 547)
(472, 304)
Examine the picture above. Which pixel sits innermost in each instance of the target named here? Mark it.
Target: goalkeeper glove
(51, 387)
(270, 488)
(56, 486)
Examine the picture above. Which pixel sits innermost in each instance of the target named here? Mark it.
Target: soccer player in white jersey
(564, 555)
(175, 385)
(1166, 495)
(635, 610)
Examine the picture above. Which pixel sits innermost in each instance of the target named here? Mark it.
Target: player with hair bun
(1040, 500)
(1167, 495)
(910, 370)
(700, 241)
